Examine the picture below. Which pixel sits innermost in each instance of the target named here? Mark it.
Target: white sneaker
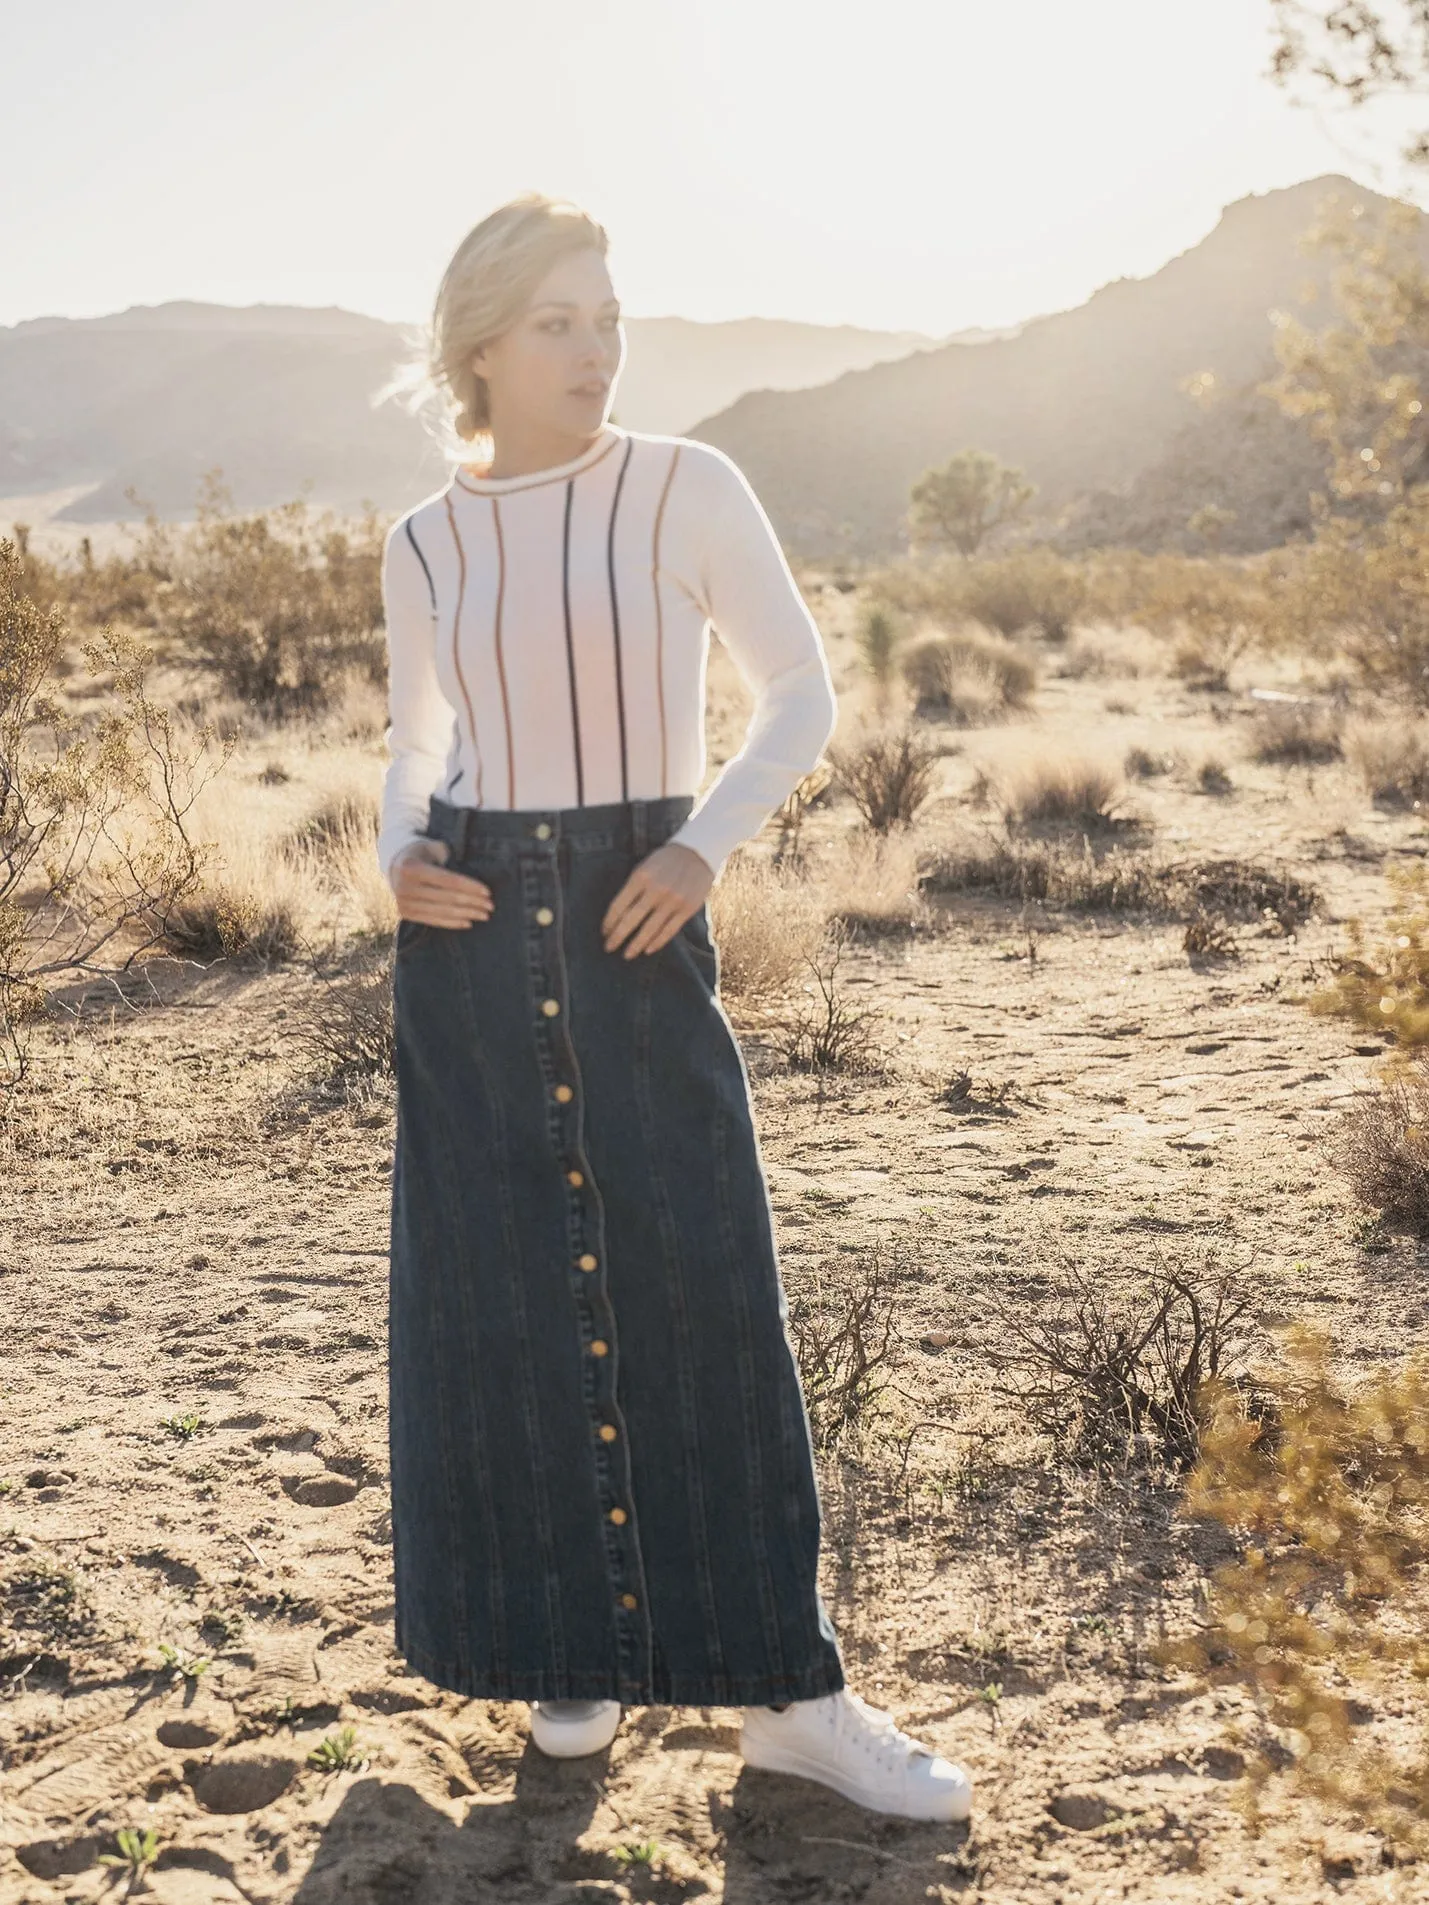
(843, 1742)
(568, 1729)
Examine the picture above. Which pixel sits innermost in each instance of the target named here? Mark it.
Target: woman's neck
(526, 453)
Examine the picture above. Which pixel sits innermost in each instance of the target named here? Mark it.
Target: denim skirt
(603, 1481)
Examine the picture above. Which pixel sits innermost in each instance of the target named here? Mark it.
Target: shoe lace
(879, 1735)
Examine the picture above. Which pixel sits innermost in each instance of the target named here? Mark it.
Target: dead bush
(1385, 986)
(841, 1324)
(1063, 790)
(1122, 881)
(969, 678)
(1392, 759)
(1112, 1376)
(1382, 1148)
(824, 1032)
(1207, 939)
(1143, 765)
(889, 775)
(766, 919)
(1321, 1616)
(1296, 733)
(346, 1024)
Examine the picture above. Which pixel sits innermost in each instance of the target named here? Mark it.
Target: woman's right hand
(428, 892)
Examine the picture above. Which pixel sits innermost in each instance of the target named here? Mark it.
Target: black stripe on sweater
(570, 645)
(417, 547)
(615, 620)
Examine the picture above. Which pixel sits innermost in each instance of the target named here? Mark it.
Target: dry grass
(970, 678)
(1391, 758)
(1063, 790)
(889, 775)
(870, 881)
(1382, 1147)
(767, 921)
(1296, 733)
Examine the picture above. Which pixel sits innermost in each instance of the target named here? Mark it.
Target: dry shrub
(1121, 881)
(1206, 939)
(823, 1031)
(841, 1324)
(1212, 612)
(346, 1025)
(968, 678)
(1382, 1147)
(1392, 759)
(1386, 988)
(1296, 733)
(1322, 1618)
(1025, 589)
(1115, 654)
(282, 605)
(96, 788)
(1213, 777)
(1142, 764)
(1029, 588)
(1363, 592)
(1109, 1376)
(870, 882)
(254, 901)
(766, 919)
(1063, 790)
(889, 775)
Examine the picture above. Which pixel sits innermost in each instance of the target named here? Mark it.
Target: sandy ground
(193, 1230)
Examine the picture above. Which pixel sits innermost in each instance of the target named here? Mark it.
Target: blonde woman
(602, 1479)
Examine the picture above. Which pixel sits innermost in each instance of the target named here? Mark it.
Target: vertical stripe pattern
(660, 626)
(615, 622)
(500, 655)
(570, 643)
(456, 656)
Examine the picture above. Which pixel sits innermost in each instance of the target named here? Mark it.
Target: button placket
(586, 1229)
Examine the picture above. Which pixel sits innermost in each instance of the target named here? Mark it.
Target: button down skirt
(603, 1483)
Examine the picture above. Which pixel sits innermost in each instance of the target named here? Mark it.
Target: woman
(602, 1478)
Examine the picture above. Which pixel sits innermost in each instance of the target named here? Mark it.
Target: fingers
(433, 896)
(658, 927)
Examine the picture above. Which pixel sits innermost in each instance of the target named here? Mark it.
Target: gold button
(543, 831)
(617, 1515)
(564, 1094)
(608, 1432)
(599, 1347)
(550, 1007)
(628, 1600)
(544, 916)
(574, 1177)
(587, 1262)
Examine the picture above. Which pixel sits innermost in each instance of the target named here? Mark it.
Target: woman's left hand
(666, 889)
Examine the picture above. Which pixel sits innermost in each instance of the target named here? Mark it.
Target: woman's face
(555, 368)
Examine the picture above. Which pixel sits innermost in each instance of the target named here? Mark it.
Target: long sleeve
(419, 732)
(751, 597)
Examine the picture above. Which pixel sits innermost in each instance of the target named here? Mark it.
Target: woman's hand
(430, 894)
(667, 887)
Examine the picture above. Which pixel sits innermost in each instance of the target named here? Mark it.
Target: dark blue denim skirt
(603, 1482)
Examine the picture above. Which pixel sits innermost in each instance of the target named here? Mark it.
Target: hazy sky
(925, 164)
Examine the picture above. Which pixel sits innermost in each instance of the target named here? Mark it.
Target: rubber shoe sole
(946, 1800)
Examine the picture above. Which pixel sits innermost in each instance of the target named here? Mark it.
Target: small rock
(1080, 1811)
(320, 1491)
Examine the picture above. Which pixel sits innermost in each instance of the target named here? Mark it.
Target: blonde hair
(487, 284)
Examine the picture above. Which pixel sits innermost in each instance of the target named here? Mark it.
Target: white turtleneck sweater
(548, 637)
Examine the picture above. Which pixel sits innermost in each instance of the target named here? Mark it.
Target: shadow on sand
(771, 1838)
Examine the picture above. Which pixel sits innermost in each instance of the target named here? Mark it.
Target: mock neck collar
(464, 477)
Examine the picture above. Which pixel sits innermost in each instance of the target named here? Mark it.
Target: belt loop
(468, 818)
(639, 827)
